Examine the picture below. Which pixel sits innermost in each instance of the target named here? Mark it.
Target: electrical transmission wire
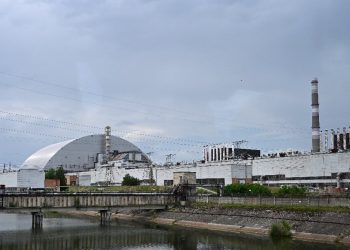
(129, 133)
(200, 117)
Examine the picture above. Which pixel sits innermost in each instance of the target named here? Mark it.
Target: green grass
(290, 208)
(121, 189)
(200, 190)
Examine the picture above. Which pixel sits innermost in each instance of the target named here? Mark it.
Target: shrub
(246, 189)
(291, 191)
(129, 180)
(281, 229)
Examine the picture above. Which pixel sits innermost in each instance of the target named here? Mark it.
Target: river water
(86, 234)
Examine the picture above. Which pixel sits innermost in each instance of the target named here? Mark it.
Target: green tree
(51, 174)
(56, 174)
(60, 176)
(129, 180)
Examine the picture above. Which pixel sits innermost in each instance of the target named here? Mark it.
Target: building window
(168, 182)
(211, 181)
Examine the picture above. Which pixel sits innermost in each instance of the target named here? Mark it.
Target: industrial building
(24, 178)
(328, 164)
(105, 159)
(75, 156)
(83, 153)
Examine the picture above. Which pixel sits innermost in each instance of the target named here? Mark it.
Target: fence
(276, 201)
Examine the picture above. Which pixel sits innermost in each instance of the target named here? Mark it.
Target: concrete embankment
(328, 227)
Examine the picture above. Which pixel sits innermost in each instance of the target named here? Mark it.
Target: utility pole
(169, 157)
(237, 144)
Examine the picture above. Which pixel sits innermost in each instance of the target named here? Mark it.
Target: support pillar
(105, 216)
(37, 219)
(338, 180)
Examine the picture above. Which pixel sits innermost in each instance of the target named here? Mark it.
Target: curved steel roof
(40, 158)
(75, 155)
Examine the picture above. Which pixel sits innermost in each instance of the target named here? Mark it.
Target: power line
(129, 133)
(200, 116)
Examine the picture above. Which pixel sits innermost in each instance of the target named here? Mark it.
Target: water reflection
(65, 233)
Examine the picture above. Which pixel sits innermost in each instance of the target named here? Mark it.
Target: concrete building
(184, 178)
(88, 152)
(30, 177)
(323, 169)
(9, 179)
(106, 159)
(213, 173)
(23, 178)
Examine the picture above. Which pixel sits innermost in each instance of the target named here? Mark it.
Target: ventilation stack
(316, 137)
(341, 141)
(347, 140)
(334, 141)
(108, 142)
(344, 138)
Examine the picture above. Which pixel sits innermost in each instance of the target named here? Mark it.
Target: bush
(291, 191)
(247, 189)
(129, 180)
(281, 229)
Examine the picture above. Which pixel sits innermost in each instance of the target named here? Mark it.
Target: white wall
(31, 178)
(117, 174)
(84, 179)
(303, 166)
(225, 170)
(8, 179)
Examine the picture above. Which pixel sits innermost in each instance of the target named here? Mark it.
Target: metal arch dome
(77, 154)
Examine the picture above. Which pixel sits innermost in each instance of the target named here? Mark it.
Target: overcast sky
(171, 76)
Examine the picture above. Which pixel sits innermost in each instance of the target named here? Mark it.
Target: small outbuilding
(184, 178)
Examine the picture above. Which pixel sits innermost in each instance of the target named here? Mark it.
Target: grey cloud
(192, 56)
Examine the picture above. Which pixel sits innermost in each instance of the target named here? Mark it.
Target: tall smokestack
(108, 142)
(316, 137)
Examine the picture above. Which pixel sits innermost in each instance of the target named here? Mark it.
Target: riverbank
(327, 227)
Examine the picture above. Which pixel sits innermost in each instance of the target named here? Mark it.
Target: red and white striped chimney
(316, 136)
